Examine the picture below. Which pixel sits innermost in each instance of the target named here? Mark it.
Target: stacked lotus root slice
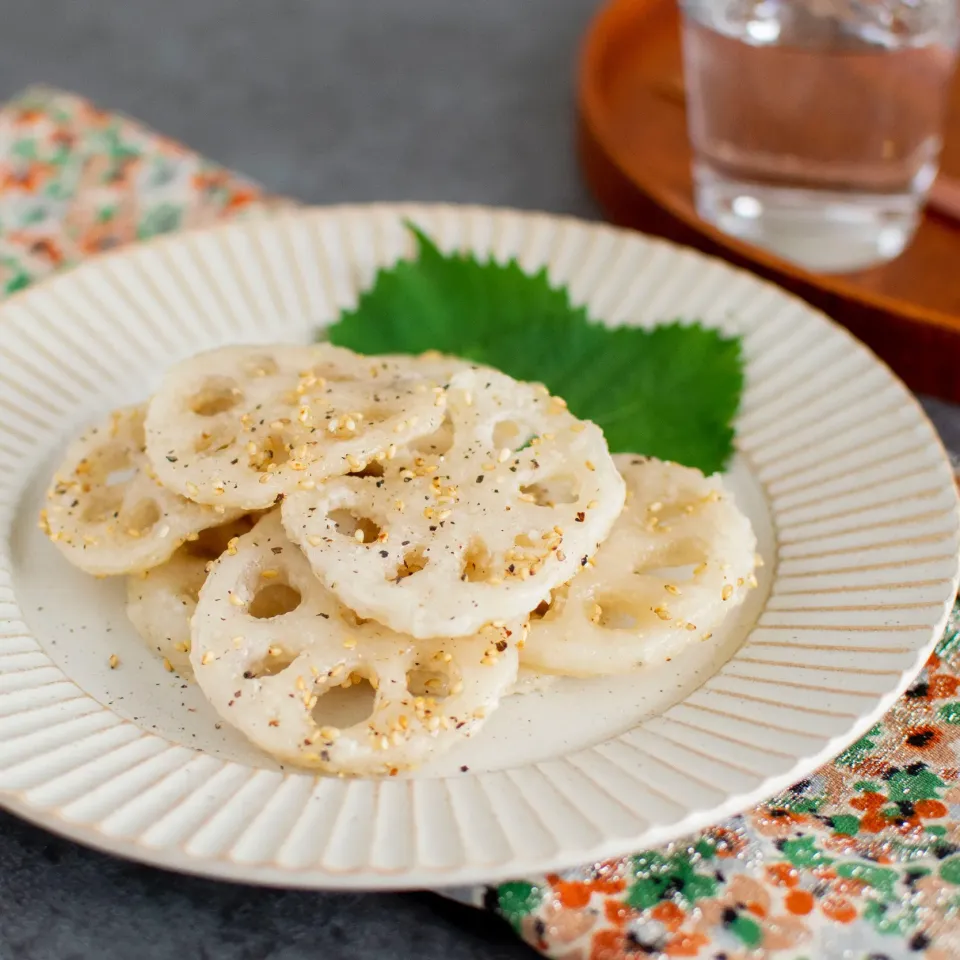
(294, 520)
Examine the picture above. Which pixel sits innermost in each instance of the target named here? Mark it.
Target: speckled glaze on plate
(844, 479)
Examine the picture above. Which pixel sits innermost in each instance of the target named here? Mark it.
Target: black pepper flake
(276, 551)
(501, 645)
(171, 459)
(480, 478)
(464, 768)
(580, 516)
(584, 561)
(384, 553)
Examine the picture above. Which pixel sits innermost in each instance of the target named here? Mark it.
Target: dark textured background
(325, 101)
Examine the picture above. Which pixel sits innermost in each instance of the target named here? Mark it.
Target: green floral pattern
(859, 862)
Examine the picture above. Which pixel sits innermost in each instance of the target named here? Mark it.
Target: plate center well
(80, 622)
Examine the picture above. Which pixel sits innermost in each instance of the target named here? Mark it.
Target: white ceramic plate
(843, 477)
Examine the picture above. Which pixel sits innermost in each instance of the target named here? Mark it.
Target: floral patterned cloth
(859, 862)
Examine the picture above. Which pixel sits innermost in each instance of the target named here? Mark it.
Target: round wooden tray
(636, 157)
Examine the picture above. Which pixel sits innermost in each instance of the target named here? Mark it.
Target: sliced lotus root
(273, 650)
(244, 425)
(107, 513)
(441, 543)
(161, 601)
(680, 557)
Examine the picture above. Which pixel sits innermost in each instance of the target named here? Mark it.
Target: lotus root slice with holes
(245, 425)
(511, 504)
(161, 601)
(679, 559)
(107, 513)
(305, 679)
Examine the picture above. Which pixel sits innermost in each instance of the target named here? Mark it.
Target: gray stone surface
(323, 100)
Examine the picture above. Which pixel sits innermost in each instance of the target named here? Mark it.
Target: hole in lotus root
(344, 706)
(413, 562)
(270, 665)
(477, 562)
(274, 600)
(103, 503)
(217, 395)
(373, 469)
(268, 453)
(431, 680)
(361, 529)
(437, 443)
(262, 366)
(510, 435)
(541, 609)
(142, 518)
(214, 440)
(553, 490)
(209, 544)
(613, 613)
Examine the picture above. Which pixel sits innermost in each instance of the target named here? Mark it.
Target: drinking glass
(816, 124)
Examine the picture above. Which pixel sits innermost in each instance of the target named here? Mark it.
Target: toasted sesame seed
(269, 574)
(655, 507)
(670, 588)
(663, 613)
(114, 661)
(207, 657)
(192, 489)
(235, 600)
(167, 665)
(727, 591)
(751, 581)
(578, 427)
(358, 535)
(699, 568)
(314, 540)
(238, 642)
(274, 651)
(306, 484)
(350, 642)
(504, 455)
(232, 545)
(691, 626)
(589, 465)
(706, 636)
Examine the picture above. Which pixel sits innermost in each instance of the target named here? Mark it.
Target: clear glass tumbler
(816, 124)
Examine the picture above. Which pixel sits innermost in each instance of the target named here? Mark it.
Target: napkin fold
(860, 860)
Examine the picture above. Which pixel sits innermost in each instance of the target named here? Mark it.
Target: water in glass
(816, 124)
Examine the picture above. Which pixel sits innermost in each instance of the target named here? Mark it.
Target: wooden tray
(636, 157)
